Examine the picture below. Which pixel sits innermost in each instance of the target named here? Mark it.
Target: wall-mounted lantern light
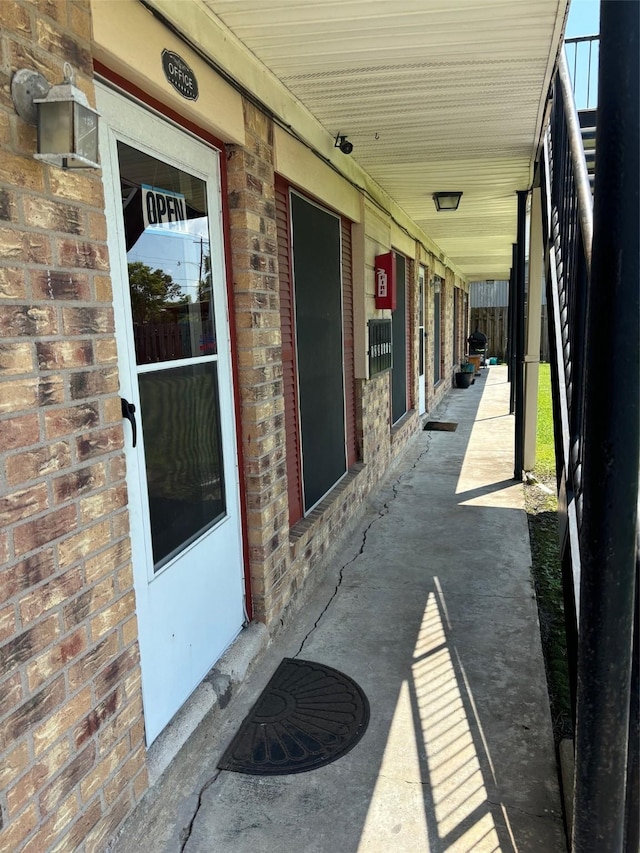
(67, 125)
(447, 201)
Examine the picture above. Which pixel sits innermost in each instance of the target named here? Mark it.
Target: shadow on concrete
(429, 607)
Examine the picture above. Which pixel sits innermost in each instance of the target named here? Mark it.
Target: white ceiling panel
(434, 95)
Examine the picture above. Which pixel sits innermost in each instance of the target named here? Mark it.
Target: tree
(204, 285)
(152, 292)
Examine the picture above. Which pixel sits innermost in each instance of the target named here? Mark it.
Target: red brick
(124, 578)
(31, 713)
(31, 393)
(22, 504)
(31, 465)
(67, 779)
(28, 643)
(99, 442)
(113, 615)
(74, 186)
(8, 622)
(103, 503)
(12, 282)
(54, 9)
(20, 431)
(107, 561)
(76, 483)
(124, 775)
(94, 720)
(11, 693)
(12, 837)
(85, 669)
(46, 597)
(20, 171)
(99, 836)
(117, 469)
(140, 784)
(17, 20)
(104, 289)
(8, 207)
(58, 355)
(53, 284)
(56, 42)
(19, 395)
(120, 523)
(50, 390)
(62, 721)
(87, 321)
(117, 728)
(54, 659)
(13, 763)
(16, 359)
(88, 603)
(50, 215)
(62, 817)
(34, 534)
(81, 253)
(115, 671)
(106, 351)
(103, 770)
(66, 421)
(25, 574)
(73, 840)
(93, 383)
(130, 631)
(86, 542)
(32, 781)
(80, 22)
(29, 247)
(112, 410)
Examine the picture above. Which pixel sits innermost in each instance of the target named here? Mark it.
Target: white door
(163, 203)
(422, 400)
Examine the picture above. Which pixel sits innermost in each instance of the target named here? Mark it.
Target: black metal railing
(568, 212)
(594, 329)
(582, 54)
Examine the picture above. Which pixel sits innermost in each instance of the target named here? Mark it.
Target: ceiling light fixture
(447, 201)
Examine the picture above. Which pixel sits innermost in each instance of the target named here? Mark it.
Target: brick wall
(72, 757)
(252, 220)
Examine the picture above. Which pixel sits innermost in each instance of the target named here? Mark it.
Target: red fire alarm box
(385, 271)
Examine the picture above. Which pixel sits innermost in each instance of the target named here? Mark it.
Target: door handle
(129, 412)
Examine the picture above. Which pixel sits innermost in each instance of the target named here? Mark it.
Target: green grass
(545, 452)
(547, 576)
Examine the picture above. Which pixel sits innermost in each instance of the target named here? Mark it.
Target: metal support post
(532, 347)
(511, 349)
(519, 308)
(611, 457)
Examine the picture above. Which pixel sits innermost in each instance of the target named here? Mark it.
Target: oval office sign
(180, 75)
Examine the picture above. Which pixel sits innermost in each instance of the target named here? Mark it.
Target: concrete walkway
(429, 606)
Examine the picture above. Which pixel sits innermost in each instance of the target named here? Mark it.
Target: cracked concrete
(428, 605)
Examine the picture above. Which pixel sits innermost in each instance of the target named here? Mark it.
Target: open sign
(161, 207)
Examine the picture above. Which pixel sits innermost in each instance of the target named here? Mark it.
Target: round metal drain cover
(307, 716)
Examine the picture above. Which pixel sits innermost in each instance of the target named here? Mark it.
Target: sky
(584, 18)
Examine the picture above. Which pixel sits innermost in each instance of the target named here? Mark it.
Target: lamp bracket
(26, 85)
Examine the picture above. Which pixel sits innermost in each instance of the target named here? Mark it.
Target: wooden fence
(493, 322)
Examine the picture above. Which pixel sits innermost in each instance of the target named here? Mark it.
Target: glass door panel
(185, 481)
(170, 289)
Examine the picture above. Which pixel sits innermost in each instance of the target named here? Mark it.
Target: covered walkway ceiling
(434, 95)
